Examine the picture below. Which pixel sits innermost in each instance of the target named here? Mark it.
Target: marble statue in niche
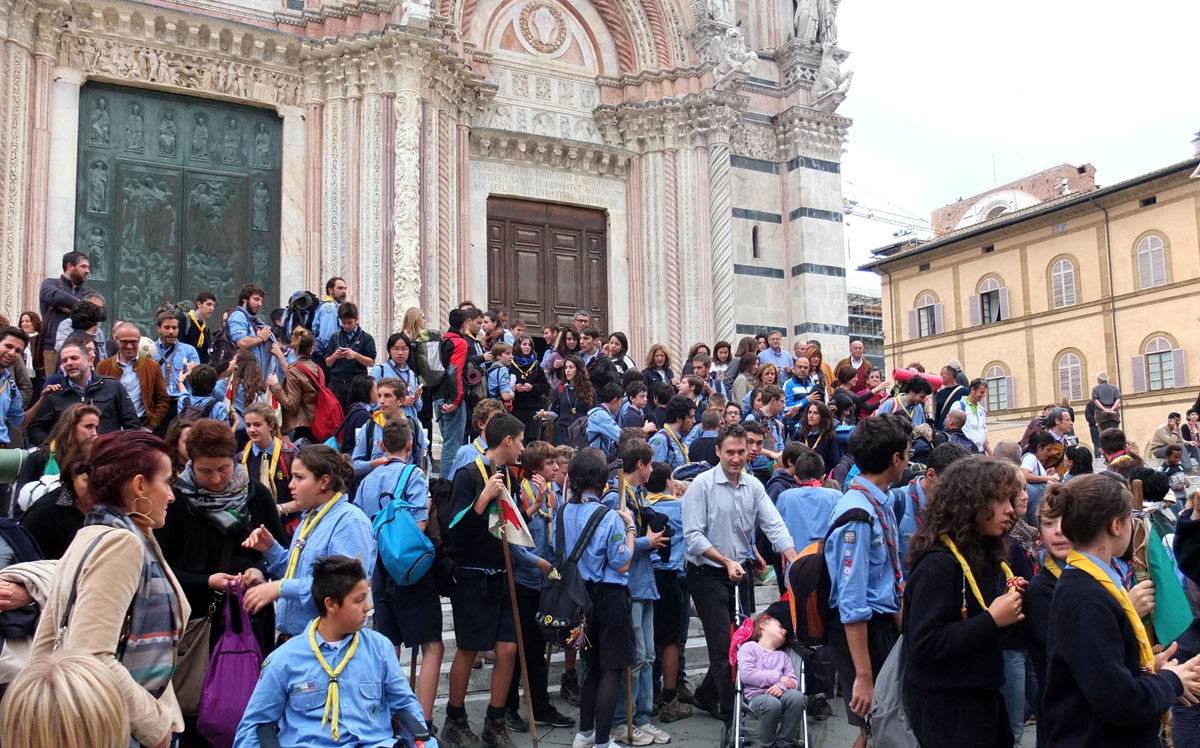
(816, 21)
(97, 196)
(95, 248)
(99, 126)
(167, 134)
(260, 219)
(262, 147)
(147, 215)
(721, 10)
(231, 151)
(200, 138)
(134, 129)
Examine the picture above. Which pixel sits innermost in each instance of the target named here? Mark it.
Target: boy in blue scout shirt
(198, 390)
(668, 443)
(368, 451)
(481, 414)
(864, 563)
(173, 355)
(633, 408)
(911, 401)
(602, 429)
(499, 376)
(12, 346)
(908, 501)
(670, 609)
(336, 684)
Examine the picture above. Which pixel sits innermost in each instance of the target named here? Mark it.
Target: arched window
(1000, 388)
(926, 319)
(1160, 366)
(990, 303)
(1151, 262)
(996, 212)
(1062, 282)
(1070, 377)
(754, 250)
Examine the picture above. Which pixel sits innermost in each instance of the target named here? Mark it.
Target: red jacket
(453, 353)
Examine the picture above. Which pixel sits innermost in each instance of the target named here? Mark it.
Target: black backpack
(22, 622)
(577, 432)
(194, 412)
(301, 311)
(564, 603)
(809, 585)
(440, 516)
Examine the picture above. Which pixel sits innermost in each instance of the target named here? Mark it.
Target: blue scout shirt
(11, 404)
(602, 430)
(241, 324)
(912, 497)
(379, 487)
(499, 381)
(667, 504)
(466, 455)
(172, 360)
(861, 558)
(641, 572)
(345, 531)
(292, 689)
(363, 453)
(220, 410)
(606, 551)
(325, 324)
(916, 413)
(806, 512)
(669, 448)
(525, 570)
(409, 377)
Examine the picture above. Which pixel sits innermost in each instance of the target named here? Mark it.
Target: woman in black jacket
(958, 608)
(530, 388)
(1104, 685)
(216, 506)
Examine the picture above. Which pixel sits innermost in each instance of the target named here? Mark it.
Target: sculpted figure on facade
(231, 153)
(200, 138)
(831, 85)
(262, 147)
(816, 21)
(167, 134)
(260, 218)
(721, 10)
(731, 53)
(97, 200)
(134, 129)
(99, 131)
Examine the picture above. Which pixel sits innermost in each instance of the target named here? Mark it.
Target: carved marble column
(635, 236)
(435, 271)
(334, 189)
(371, 219)
(354, 154)
(314, 149)
(16, 36)
(450, 281)
(460, 218)
(41, 87)
(670, 203)
(655, 326)
(721, 211)
(406, 246)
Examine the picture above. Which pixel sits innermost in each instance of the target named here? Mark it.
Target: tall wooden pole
(512, 592)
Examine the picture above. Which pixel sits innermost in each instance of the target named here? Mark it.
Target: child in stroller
(769, 683)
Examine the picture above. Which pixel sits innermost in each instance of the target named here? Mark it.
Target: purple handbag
(232, 674)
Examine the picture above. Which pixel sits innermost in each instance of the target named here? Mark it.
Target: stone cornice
(565, 155)
(706, 118)
(807, 132)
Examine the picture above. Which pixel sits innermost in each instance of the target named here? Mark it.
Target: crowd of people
(276, 482)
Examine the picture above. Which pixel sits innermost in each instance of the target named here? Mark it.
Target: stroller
(742, 706)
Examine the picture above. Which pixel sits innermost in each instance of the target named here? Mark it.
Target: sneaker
(495, 734)
(515, 722)
(674, 710)
(581, 741)
(685, 693)
(553, 718)
(660, 736)
(569, 689)
(640, 738)
(707, 706)
(457, 733)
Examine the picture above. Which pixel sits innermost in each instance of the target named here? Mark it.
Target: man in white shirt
(975, 427)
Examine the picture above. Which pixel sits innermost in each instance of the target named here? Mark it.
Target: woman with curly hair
(658, 367)
(818, 433)
(567, 346)
(958, 608)
(572, 399)
(692, 352)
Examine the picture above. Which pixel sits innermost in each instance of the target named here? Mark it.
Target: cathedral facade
(671, 166)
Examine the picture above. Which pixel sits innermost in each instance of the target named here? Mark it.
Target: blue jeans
(453, 427)
(1014, 691)
(642, 673)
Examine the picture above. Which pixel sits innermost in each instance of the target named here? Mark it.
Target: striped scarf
(154, 625)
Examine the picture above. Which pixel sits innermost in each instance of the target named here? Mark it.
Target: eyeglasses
(129, 342)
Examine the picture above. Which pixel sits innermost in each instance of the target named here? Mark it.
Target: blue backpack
(404, 549)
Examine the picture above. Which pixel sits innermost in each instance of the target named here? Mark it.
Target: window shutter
(939, 324)
(973, 302)
(914, 325)
(1180, 370)
(1159, 262)
(1057, 283)
(1009, 396)
(1004, 315)
(1145, 269)
(1068, 283)
(1139, 374)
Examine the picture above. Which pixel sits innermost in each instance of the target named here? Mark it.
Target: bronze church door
(175, 195)
(546, 261)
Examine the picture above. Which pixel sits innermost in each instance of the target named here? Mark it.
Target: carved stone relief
(168, 134)
(134, 129)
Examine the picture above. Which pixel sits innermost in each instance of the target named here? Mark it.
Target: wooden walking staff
(512, 594)
(624, 503)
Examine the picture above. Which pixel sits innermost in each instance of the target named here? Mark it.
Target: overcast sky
(940, 88)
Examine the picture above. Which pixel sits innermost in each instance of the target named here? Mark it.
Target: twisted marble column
(721, 212)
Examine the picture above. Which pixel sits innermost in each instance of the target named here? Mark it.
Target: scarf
(309, 523)
(154, 615)
(225, 508)
(1024, 533)
(524, 361)
(969, 576)
(331, 698)
(1077, 560)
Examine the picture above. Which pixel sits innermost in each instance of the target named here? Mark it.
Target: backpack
(223, 347)
(564, 603)
(427, 358)
(577, 432)
(889, 721)
(440, 516)
(233, 670)
(194, 412)
(809, 585)
(329, 414)
(300, 312)
(404, 549)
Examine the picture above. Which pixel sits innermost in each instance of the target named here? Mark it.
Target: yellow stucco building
(1039, 300)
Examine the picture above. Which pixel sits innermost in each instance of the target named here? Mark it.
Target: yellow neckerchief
(907, 411)
(970, 577)
(657, 496)
(276, 452)
(815, 444)
(1052, 564)
(378, 418)
(524, 372)
(629, 490)
(678, 442)
(330, 298)
(480, 447)
(4, 385)
(331, 697)
(1079, 561)
(486, 476)
(200, 325)
(306, 528)
(548, 508)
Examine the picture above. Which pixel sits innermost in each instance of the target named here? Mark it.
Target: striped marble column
(16, 35)
(721, 212)
(371, 219)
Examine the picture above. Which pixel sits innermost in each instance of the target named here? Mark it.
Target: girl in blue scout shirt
(1104, 685)
(336, 682)
(329, 524)
(604, 567)
(958, 608)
